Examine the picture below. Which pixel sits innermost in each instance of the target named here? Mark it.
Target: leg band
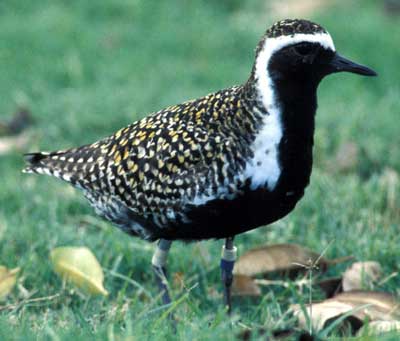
(161, 253)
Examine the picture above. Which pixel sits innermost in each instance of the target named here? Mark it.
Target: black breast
(255, 208)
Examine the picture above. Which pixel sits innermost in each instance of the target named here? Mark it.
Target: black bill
(339, 64)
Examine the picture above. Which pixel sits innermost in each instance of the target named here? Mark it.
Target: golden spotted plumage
(155, 168)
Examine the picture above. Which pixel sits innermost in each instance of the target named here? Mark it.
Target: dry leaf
(379, 327)
(321, 313)
(245, 286)
(362, 305)
(8, 279)
(79, 266)
(384, 306)
(361, 275)
(279, 257)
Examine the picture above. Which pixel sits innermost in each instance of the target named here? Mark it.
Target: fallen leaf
(321, 313)
(8, 279)
(280, 257)
(245, 286)
(79, 266)
(362, 305)
(384, 306)
(361, 275)
(379, 327)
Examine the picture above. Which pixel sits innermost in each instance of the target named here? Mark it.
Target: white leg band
(161, 253)
(159, 258)
(229, 255)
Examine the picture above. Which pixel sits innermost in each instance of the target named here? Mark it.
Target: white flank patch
(264, 169)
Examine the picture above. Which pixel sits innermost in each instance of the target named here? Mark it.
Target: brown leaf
(245, 286)
(321, 313)
(362, 305)
(361, 275)
(384, 306)
(280, 257)
(8, 279)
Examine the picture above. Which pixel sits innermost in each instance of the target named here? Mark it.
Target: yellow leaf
(79, 266)
(7, 280)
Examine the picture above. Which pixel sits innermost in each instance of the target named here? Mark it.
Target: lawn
(85, 69)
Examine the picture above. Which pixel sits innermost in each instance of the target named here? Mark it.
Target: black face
(309, 62)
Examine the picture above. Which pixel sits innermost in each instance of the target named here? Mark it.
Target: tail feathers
(34, 158)
(46, 163)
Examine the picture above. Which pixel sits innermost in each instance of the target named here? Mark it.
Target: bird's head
(300, 52)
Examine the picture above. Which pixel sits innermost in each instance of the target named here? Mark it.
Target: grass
(86, 69)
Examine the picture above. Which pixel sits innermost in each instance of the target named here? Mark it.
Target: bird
(217, 166)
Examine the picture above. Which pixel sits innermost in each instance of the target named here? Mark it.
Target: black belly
(227, 218)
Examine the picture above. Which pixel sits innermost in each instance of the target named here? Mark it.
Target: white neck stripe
(263, 169)
(271, 45)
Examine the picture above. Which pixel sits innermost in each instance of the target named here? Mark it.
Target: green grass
(86, 69)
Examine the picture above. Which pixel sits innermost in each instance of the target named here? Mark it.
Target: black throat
(297, 98)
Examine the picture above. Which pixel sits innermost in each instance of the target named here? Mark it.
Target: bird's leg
(158, 261)
(228, 258)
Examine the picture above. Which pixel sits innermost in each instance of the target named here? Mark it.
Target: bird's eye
(303, 49)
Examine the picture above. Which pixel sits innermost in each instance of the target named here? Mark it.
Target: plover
(216, 166)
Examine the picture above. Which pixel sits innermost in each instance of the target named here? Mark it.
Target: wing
(156, 167)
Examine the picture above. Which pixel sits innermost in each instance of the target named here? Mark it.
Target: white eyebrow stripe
(274, 44)
(271, 45)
